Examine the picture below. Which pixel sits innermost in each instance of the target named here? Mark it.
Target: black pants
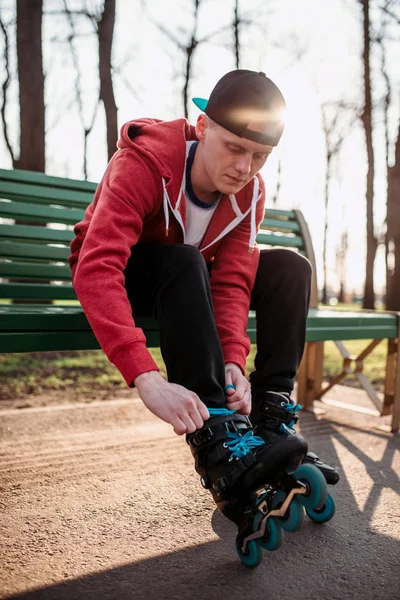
(173, 284)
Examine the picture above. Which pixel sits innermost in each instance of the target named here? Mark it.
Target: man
(171, 232)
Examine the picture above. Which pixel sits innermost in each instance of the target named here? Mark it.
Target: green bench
(39, 310)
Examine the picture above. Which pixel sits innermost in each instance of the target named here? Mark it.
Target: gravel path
(100, 501)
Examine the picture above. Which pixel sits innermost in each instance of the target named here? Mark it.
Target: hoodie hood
(164, 144)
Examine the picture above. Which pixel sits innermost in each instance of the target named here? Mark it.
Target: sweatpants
(172, 283)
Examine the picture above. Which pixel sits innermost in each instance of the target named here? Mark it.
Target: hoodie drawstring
(253, 224)
(239, 215)
(165, 207)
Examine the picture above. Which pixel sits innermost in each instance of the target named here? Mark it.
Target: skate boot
(254, 484)
(275, 414)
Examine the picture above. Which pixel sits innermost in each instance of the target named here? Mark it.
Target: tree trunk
(369, 295)
(31, 85)
(105, 32)
(236, 23)
(188, 73)
(324, 298)
(393, 232)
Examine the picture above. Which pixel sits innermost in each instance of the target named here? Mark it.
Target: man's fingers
(243, 406)
(203, 410)
(196, 418)
(190, 424)
(179, 427)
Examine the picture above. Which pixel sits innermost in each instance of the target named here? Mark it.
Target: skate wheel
(273, 536)
(317, 490)
(294, 517)
(324, 514)
(253, 555)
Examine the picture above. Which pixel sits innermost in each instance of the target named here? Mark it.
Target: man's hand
(171, 402)
(238, 397)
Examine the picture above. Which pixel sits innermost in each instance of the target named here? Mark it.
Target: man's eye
(261, 156)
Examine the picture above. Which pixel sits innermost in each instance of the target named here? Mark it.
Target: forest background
(73, 71)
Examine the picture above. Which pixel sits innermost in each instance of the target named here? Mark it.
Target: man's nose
(243, 164)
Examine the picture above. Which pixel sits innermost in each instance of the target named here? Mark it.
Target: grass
(87, 375)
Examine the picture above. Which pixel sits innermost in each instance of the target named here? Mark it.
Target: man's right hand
(171, 402)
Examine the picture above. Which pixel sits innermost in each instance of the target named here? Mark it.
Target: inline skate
(261, 487)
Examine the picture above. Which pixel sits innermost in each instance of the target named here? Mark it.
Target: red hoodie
(138, 201)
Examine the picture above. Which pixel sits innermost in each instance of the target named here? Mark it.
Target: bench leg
(310, 374)
(396, 403)
(390, 377)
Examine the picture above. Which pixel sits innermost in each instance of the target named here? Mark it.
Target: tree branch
(5, 86)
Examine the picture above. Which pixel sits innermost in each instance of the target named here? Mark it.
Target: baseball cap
(248, 104)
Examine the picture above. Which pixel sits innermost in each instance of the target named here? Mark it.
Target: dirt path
(101, 501)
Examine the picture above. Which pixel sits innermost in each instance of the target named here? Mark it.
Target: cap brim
(201, 103)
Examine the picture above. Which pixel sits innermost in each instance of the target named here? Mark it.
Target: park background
(73, 71)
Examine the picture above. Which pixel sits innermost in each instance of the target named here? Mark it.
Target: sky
(311, 49)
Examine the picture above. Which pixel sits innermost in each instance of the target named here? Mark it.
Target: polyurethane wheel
(253, 555)
(294, 517)
(317, 490)
(323, 514)
(273, 536)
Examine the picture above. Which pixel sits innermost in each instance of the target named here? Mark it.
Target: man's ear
(201, 127)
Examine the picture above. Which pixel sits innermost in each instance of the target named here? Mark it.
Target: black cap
(248, 104)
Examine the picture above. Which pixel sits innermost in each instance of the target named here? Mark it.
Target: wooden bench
(34, 268)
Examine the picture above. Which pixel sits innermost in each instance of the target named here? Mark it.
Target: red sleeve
(232, 280)
(128, 192)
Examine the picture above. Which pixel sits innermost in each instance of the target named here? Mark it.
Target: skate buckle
(200, 437)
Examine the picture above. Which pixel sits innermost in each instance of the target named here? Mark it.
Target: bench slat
(271, 239)
(45, 195)
(40, 213)
(58, 340)
(32, 232)
(21, 175)
(332, 325)
(52, 317)
(279, 213)
(37, 291)
(280, 225)
(35, 271)
(33, 251)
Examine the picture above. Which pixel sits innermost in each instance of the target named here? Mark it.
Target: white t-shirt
(198, 214)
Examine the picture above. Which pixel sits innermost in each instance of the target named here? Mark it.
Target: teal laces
(238, 444)
(293, 409)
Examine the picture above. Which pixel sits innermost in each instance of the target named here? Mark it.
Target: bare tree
(366, 118)
(236, 25)
(337, 121)
(275, 197)
(392, 235)
(105, 34)
(103, 26)
(87, 128)
(189, 48)
(31, 85)
(5, 87)
(393, 232)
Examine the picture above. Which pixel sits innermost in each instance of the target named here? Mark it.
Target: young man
(171, 232)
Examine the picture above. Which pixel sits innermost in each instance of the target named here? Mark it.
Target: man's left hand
(237, 389)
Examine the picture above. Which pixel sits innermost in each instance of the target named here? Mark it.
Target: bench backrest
(38, 213)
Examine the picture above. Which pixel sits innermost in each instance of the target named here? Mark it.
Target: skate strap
(220, 412)
(292, 409)
(233, 475)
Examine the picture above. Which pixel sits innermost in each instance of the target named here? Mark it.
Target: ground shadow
(343, 559)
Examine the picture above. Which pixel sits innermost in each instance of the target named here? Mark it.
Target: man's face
(229, 161)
